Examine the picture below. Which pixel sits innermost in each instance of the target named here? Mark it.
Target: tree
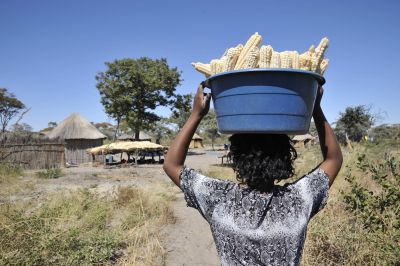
(209, 126)
(10, 107)
(354, 123)
(132, 88)
(182, 110)
(161, 130)
(21, 128)
(51, 124)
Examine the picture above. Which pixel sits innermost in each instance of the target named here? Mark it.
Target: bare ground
(189, 240)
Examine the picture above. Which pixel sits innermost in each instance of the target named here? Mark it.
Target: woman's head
(260, 159)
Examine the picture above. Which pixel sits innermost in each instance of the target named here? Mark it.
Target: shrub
(377, 207)
(11, 170)
(50, 173)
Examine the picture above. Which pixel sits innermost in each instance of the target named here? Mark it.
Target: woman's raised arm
(329, 145)
(177, 152)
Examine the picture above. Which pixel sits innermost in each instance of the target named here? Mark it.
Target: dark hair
(260, 159)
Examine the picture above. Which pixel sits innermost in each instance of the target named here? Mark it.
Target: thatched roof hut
(303, 140)
(196, 142)
(78, 135)
(125, 146)
(131, 137)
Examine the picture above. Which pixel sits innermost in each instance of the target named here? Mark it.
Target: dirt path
(189, 240)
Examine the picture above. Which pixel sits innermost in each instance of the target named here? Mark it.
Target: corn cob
(265, 56)
(251, 60)
(254, 41)
(323, 66)
(203, 68)
(220, 65)
(275, 60)
(232, 56)
(305, 59)
(214, 66)
(319, 53)
(294, 55)
(285, 60)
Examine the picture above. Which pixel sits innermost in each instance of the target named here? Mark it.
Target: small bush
(377, 207)
(8, 170)
(50, 173)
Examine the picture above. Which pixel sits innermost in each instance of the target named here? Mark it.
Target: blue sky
(50, 51)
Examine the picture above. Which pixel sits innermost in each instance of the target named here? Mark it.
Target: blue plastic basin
(264, 100)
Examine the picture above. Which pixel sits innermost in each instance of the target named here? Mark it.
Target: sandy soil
(189, 240)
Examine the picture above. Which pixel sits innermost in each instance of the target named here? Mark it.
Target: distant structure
(131, 137)
(196, 142)
(303, 140)
(78, 135)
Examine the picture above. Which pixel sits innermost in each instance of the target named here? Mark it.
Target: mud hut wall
(75, 150)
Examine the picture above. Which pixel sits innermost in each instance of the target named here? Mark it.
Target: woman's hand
(201, 103)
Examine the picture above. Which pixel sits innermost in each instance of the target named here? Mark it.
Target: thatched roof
(303, 137)
(142, 136)
(195, 136)
(75, 127)
(125, 146)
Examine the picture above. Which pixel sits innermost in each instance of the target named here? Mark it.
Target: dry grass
(82, 228)
(335, 236)
(221, 172)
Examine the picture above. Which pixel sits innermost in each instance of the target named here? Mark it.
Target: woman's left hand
(201, 103)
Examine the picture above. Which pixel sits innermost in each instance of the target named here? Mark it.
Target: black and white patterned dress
(252, 228)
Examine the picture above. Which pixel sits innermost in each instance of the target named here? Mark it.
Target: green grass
(81, 228)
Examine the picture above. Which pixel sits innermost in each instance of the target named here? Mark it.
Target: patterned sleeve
(316, 186)
(201, 192)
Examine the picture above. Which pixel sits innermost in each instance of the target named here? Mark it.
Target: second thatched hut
(196, 142)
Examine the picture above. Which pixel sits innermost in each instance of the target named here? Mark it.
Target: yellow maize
(275, 60)
(254, 41)
(203, 68)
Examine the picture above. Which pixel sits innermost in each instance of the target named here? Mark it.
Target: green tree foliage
(161, 130)
(382, 132)
(10, 107)
(354, 123)
(132, 89)
(209, 126)
(51, 124)
(181, 111)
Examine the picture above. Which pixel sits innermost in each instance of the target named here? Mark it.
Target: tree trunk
(212, 144)
(137, 132)
(116, 130)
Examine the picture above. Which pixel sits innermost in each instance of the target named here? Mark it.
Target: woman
(256, 222)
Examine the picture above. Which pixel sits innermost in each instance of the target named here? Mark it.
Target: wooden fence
(32, 152)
